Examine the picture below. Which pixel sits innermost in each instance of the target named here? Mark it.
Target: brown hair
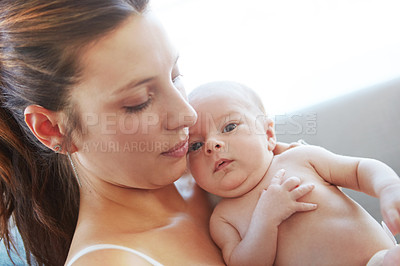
(40, 44)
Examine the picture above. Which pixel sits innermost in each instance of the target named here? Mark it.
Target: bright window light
(293, 53)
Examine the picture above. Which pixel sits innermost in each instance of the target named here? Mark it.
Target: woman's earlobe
(44, 125)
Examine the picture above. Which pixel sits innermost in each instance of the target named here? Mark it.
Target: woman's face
(133, 108)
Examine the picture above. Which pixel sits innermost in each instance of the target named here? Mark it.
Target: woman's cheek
(128, 125)
(147, 123)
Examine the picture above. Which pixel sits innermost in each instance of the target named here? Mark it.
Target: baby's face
(230, 145)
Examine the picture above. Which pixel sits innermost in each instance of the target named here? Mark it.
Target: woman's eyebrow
(132, 84)
(136, 82)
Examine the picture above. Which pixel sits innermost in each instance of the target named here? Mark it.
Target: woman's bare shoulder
(112, 256)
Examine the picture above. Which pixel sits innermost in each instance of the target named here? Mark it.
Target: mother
(94, 118)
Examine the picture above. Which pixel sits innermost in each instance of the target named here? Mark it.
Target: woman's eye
(138, 108)
(195, 146)
(176, 79)
(229, 127)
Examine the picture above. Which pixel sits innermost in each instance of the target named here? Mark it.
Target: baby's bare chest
(336, 229)
(239, 211)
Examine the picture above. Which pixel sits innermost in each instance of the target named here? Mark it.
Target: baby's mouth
(220, 164)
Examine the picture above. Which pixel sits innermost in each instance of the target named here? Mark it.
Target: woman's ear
(45, 125)
(270, 132)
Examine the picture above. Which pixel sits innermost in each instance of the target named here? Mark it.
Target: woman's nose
(214, 145)
(179, 113)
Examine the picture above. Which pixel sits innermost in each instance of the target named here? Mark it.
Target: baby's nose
(214, 145)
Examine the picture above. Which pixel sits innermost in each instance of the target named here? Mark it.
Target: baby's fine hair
(253, 99)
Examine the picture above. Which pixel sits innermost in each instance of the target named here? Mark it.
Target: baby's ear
(270, 132)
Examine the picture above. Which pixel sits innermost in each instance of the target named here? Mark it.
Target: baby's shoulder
(303, 152)
(224, 205)
(228, 208)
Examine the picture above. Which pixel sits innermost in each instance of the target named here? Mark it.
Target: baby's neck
(264, 179)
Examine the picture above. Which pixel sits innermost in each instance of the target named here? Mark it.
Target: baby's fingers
(291, 183)
(392, 219)
(301, 191)
(305, 207)
(278, 177)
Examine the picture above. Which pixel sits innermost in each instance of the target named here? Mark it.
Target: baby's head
(231, 144)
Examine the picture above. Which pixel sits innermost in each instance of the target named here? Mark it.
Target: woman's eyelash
(175, 79)
(138, 108)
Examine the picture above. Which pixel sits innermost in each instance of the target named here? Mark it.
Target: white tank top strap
(111, 246)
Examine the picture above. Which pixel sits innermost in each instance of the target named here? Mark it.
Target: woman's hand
(282, 147)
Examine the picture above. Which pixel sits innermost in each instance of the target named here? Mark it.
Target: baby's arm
(366, 175)
(258, 246)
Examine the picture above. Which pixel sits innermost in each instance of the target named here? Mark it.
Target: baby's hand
(390, 207)
(280, 198)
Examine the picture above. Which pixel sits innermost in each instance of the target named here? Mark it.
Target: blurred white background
(293, 53)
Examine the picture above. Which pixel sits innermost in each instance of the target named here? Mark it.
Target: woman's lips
(221, 164)
(179, 150)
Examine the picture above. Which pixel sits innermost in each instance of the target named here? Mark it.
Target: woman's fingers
(280, 147)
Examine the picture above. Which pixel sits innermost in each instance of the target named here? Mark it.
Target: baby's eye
(229, 127)
(195, 146)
